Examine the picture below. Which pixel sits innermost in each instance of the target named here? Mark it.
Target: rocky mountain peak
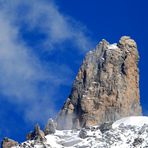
(106, 87)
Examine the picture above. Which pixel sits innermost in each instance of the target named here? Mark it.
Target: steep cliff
(106, 87)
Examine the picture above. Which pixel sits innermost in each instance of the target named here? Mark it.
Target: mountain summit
(106, 87)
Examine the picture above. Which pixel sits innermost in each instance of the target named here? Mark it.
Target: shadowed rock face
(106, 87)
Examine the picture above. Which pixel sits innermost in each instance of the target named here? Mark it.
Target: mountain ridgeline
(106, 87)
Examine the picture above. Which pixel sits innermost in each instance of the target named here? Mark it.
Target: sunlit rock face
(8, 143)
(106, 87)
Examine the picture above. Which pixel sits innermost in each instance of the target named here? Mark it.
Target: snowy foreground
(130, 132)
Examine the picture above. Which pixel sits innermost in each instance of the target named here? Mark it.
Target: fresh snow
(112, 46)
(129, 132)
(132, 120)
(53, 141)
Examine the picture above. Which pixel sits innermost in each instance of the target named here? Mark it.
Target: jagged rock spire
(50, 127)
(106, 87)
(37, 134)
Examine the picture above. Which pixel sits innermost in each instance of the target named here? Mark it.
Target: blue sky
(42, 45)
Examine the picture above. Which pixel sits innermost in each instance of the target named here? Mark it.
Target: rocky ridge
(117, 135)
(102, 90)
(8, 143)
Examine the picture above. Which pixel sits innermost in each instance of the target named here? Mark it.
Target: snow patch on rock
(112, 46)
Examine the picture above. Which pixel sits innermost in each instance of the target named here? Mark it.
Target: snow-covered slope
(133, 121)
(130, 132)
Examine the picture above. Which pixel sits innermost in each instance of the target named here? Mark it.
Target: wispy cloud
(24, 79)
(45, 16)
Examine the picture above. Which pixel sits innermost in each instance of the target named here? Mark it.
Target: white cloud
(21, 71)
(45, 15)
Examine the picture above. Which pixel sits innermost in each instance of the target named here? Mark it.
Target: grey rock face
(106, 87)
(50, 127)
(8, 143)
(138, 142)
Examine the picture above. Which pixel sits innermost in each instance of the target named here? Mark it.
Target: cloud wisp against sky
(45, 16)
(25, 80)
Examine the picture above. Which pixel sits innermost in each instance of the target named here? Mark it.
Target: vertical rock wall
(106, 87)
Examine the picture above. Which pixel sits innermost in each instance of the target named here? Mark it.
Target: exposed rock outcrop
(37, 134)
(105, 126)
(50, 127)
(83, 134)
(106, 87)
(8, 143)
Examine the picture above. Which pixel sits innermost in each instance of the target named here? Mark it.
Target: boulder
(105, 126)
